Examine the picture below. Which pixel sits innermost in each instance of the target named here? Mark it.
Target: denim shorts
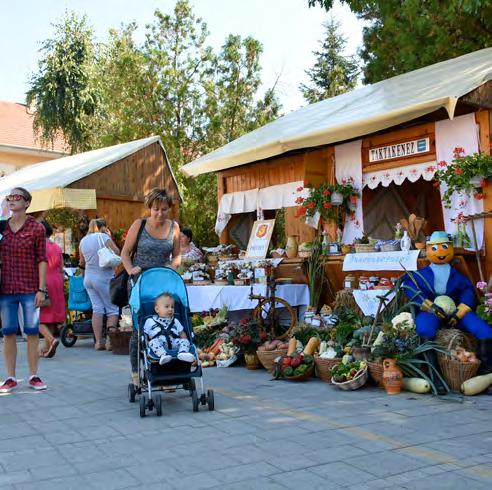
(10, 304)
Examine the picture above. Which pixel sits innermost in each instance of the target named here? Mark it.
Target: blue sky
(288, 30)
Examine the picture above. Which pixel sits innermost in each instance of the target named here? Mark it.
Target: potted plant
(466, 174)
(248, 336)
(332, 201)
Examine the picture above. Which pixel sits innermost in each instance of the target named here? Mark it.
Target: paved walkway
(82, 433)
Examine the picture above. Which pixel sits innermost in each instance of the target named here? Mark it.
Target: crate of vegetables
(350, 375)
(269, 351)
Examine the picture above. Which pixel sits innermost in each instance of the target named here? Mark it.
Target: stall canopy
(362, 111)
(48, 181)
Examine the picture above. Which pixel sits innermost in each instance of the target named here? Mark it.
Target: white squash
(476, 385)
(416, 385)
(322, 347)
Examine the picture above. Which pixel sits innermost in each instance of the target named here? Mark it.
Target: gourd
(476, 385)
(292, 346)
(416, 385)
(311, 346)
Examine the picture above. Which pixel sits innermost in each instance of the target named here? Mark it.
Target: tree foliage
(173, 85)
(333, 73)
(62, 91)
(402, 36)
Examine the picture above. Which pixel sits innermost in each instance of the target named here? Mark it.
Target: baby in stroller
(165, 333)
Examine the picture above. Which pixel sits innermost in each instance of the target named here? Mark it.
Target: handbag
(118, 286)
(107, 258)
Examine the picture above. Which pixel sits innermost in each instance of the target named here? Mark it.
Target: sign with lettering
(260, 239)
(399, 150)
(382, 261)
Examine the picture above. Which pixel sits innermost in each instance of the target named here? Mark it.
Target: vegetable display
(346, 372)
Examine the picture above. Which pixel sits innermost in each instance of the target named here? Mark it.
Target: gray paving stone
(11, 477)
(301, 479)
(342, 474)
(244, 472)
(446, 481)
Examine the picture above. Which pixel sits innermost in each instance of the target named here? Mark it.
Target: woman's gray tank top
(154, 252)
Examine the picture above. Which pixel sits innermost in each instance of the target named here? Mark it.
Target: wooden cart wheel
(278, 321)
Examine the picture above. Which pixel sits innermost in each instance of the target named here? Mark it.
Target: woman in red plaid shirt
(22, 284)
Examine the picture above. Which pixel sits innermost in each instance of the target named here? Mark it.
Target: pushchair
(152, 376)
(79, 321)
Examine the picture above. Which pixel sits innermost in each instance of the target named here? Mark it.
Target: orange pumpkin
(440, 253)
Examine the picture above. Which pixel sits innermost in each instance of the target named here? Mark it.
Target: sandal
(52, 350)
(99, 346)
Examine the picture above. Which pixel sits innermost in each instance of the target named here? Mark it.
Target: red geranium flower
(299, 200)
(353, 199)
(327, 205)
(442, 163)
(478, 196)
(458, 171)
(483, 183)
(458, 152)
(311, 205)
(326, 193)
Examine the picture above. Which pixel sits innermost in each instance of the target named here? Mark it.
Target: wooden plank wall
(313, 166)
(484, 121)
(121, 187)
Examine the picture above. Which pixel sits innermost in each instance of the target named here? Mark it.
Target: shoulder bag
(107, 258)
(118, 286)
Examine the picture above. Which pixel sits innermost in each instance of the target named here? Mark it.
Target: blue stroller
(80, 304)
(152, 376)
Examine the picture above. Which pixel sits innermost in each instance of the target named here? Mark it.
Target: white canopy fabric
(272, 197)
(62, 172)
(362, 111)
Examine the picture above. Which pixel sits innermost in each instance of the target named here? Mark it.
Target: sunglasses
(15, 197)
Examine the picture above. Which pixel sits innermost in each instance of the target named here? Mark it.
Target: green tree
(62, 91)
(333, 72)
(401, 36)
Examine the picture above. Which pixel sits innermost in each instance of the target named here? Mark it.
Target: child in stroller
(165, 333)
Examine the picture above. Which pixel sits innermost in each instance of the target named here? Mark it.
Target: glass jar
(349, 282)
(363, 282)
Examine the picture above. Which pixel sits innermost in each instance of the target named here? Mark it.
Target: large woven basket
(324, 367)
(364, 248)
(120, 341)
(454, 371)
(267, 357)
(302, 377)
(376, 370)
(354, 384)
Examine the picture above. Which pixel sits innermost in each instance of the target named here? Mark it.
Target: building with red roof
(19, 144)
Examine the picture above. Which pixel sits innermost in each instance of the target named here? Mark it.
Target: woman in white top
(96, 279)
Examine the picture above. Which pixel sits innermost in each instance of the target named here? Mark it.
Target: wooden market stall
(108, 182)
(389, 137)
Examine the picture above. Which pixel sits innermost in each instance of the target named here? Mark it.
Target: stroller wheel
(143, 405)
(131, 392)
(158, 404)
(67, 337)
(210, 400)
(195, 401)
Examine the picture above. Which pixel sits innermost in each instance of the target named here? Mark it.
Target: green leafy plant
(459, 175)
(316, 272)
(320, 200)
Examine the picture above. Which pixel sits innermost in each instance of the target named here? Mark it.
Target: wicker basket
(364, 248)
(357, 382)
(304, 254)
(302, 377)
(324, 366)
(454, 371)
(267, 357)
(376, 370)
(390, 247)
(120, 341)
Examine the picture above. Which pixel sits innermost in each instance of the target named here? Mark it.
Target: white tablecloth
(203, 298)
(368, 300)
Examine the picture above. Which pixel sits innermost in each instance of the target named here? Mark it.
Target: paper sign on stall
(260, 239)
(382, 261)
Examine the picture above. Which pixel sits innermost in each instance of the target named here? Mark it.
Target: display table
(204, 298)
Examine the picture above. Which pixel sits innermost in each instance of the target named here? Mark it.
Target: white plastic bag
(107, 258)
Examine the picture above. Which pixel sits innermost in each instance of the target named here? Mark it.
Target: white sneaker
(186, 356)
(165, 358)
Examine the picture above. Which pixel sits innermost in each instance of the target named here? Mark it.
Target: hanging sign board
(260, 239)
(399, 150)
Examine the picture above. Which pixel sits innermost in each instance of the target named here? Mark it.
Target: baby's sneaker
(186, 356)
(165, 358)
